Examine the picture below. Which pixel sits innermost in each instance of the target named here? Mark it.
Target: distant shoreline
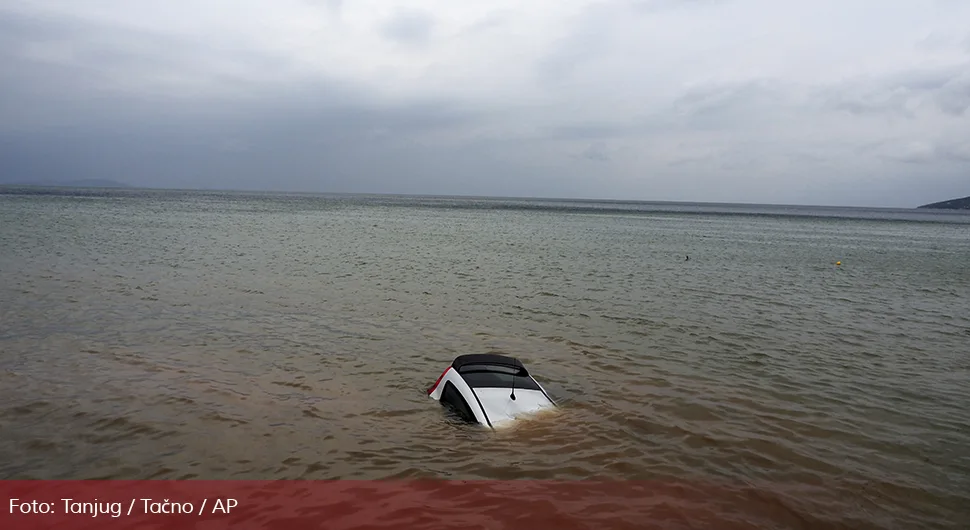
(110, 185)
(952, 204)
(86, 183)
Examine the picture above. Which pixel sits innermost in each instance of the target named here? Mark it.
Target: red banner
(339, 505)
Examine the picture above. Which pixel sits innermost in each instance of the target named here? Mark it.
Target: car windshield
(496, 376)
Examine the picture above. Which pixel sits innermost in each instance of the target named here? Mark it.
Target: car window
(492, 379)
(497, 368)
(452, 398)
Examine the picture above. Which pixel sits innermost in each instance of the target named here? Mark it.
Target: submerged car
(489, 389)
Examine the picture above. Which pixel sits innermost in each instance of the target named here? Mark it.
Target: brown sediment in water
(192, 340)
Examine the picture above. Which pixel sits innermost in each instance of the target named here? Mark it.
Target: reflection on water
(212, 336)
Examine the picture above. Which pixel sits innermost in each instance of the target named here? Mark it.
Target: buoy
(838, 263)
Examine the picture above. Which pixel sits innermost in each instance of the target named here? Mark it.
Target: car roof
(487, 358)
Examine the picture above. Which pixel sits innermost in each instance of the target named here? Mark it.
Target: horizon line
(124, 186)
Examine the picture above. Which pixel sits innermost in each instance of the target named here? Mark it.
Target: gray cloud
(408, 26)
(597, 152)
(590, 33)
(657, 6)
(913, 153)
(587, 38)
(902, 94)
(663, 100)
(491, 21)
(954, 97)
(724, 104)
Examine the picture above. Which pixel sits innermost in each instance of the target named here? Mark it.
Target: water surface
(165, 334)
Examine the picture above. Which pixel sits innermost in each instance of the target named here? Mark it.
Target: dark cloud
(65, 59)
(177, 102)
(73, 118)
(597, 152)
(277, 143)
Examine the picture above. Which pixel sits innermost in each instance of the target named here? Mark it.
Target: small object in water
(838, 263)
(489, 389)
(688, 258)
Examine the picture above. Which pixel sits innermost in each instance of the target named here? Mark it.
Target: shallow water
(230, 335)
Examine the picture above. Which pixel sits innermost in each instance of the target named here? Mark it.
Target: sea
(814, 361)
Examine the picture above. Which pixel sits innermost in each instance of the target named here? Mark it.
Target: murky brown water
(153, 335)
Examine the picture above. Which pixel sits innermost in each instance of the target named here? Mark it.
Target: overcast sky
(842, 102)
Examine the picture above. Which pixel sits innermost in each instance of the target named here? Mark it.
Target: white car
(489, 389)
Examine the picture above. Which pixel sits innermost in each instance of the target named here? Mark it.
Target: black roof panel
(486, 358)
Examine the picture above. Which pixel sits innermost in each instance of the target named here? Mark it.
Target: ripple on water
(255, 338)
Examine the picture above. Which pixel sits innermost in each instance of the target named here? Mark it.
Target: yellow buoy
(838, 263)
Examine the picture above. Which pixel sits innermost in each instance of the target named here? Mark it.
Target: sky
(857, 103)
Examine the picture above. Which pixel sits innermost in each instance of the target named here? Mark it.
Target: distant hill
(82, 183)
(952, 204)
